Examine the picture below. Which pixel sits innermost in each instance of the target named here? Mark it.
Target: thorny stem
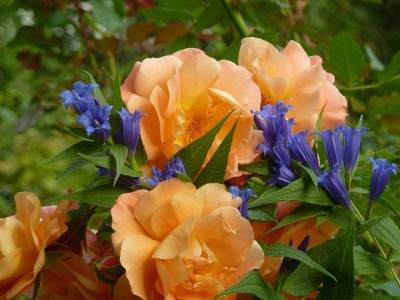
(377, 244)
(236, 18)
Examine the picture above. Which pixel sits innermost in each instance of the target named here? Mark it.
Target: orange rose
(177, 241)
(70, 277)
(295, 78)
(24, 238)
(186, 94)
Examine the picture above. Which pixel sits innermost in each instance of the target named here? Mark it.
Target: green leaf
(360, 121)
(387, 231)
(210, 16)
(303, 171)
(194, 154)
(260, 168)
(140, 155)
(342, 267)
(80, 132)
(116, 103)
(119, 152)
(304, 211)
(73, 166)
(96, 91)
(282, 250)
(166, 14)
(215, 169)
(253, 284)
(299, 190)
(108, 163)
(390, 202)
(319, 146)
(340, 217)
(263, 213)
(347, 59)
(104, 196)
(84, 147)
(368, 224)
(362, 294)
(369, 263)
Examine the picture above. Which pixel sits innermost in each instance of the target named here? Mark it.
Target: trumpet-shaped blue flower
(129, 131)
(95, 121)
(351, 147)
(333, 146)
(79, 97)
(301, 151)
(380, 177)
(244, 195)
(172, 168)
(282, 175)
(123, 179)
(273, 123)
(335, 187)
(289, 264)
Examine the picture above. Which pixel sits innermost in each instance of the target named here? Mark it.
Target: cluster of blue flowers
(95, 117)
(245, 196)
(282, 146)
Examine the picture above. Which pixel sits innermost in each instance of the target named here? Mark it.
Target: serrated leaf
(103, 196)
(84, 147)
(387, 231)
(369, 263)
(347, 58)
(108, 163)
(119, 152)
(299, 190)
(98, 95)
(304, 211)
(260, 168)
(342, 267)
(282, 250)
(215, 169)
(194, 154)
(253, 284)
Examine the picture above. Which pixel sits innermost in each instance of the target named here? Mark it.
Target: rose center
(194, 126)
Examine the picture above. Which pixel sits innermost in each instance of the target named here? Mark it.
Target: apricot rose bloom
(295, 78)
(70, 277)
(183, 96)
(179, 242)
(24, 238)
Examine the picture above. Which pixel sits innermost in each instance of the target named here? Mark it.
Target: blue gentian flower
(272, 121)
(172, 168)
(129, 131)
(282, 175)
(79, 97)
(335, 187)
(333, 146)
(301, 151)
(380, 177)
(279, 154)
(289, 264)
(95, 121)
(244, 195)
(351, 147)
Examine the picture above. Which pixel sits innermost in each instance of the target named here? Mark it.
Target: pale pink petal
(183, 54)
(128, 87)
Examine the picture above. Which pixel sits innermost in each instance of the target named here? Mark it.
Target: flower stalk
(236, 18)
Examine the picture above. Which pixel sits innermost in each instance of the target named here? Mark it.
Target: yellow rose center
(267, 100)
(194, 126)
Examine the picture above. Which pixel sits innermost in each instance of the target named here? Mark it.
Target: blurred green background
(46, 44)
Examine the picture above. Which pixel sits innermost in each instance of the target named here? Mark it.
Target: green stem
(376, 243)
(369, 210)
(368, 86)
(236, 18)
